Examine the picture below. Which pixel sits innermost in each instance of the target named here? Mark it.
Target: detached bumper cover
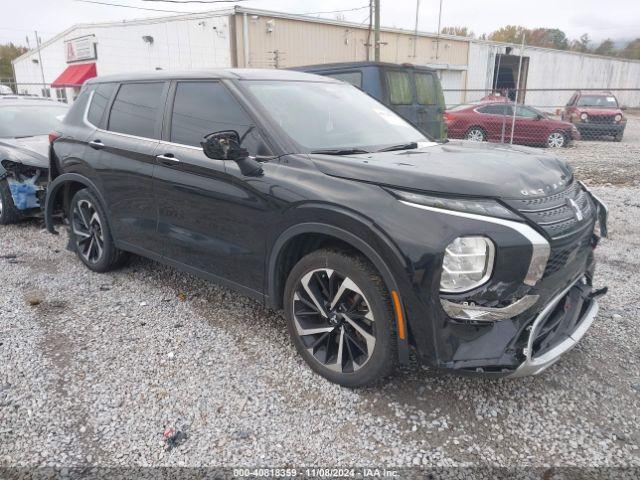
(587, 310)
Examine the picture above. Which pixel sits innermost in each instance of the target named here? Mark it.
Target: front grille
(559, 214)
(562, 255)
(602, 119)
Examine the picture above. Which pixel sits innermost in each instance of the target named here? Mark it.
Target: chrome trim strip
(477, 313)
(85, 117)
(541, 248)
(533, 366)
(181, 145)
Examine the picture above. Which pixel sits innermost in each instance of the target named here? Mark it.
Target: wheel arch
(60, 191)
(313, 235)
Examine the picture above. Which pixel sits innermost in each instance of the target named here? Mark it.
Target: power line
(195, 1)
(334, 11)
(130, 6)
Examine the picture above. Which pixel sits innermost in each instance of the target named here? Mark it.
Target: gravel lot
(96, 367)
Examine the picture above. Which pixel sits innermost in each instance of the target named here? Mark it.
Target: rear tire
(8, 212)
(618, 137)
(476, 134)
(90, 234)
(340, 319)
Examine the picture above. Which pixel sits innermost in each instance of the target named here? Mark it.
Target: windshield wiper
(340, 151)
(402, 146)
(24, 136)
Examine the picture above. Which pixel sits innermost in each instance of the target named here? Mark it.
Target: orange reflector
(397, 307)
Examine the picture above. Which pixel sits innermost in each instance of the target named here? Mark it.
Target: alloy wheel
(87, 229)
(334, 321)
(556, 140)
(475, 135)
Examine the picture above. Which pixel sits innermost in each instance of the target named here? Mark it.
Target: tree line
(553, 38)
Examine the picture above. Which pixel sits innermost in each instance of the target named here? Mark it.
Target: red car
(491, 121)
(595, 114)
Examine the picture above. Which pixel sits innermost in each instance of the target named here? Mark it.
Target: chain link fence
(541, 117)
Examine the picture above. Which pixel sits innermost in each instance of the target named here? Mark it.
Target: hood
(31, 151)
(457, 167)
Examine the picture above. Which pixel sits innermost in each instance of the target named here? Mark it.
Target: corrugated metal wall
(552, 69)
(300, 42)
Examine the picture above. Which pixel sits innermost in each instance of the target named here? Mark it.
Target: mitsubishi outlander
(312, 197)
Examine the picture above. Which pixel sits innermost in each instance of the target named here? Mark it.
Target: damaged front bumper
(559, 327)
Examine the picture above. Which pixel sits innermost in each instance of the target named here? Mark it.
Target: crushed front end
(537, 299)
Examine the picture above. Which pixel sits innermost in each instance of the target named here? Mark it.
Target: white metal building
(241, 37)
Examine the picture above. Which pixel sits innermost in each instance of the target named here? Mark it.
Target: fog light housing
(467, 264)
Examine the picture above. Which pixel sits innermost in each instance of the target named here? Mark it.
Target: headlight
(488, 208)
(467, 264)
(618, 118)
(584, 117)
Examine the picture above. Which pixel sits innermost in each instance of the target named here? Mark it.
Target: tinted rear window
(496, 109)
(136, 108)
(426, 89)
(201, 108)
(399, 88)
(101, 96)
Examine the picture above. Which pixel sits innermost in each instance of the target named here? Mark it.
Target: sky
(619, 21)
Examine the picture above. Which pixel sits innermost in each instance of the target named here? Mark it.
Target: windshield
(328, 116)
(597, 101)
(30, 120)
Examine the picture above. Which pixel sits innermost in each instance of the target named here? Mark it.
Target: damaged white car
(25, 124)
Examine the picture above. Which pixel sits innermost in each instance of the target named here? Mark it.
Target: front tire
(556, 140)
(476, 134)
(8, 212)
(340, 319)
(90, 234)
(618, 137)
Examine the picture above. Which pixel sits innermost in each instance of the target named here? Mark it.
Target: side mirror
(623, 107)
(225, 145)
(539, 117)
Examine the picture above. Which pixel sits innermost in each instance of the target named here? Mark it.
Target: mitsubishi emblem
(576, 209)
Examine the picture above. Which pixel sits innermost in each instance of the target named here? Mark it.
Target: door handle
(167, 158)
(96, 144)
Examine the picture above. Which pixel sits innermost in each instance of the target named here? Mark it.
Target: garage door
(452, 86)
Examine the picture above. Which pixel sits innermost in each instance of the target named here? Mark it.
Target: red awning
(75, 75)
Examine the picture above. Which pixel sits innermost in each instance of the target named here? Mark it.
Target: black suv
(305, 193)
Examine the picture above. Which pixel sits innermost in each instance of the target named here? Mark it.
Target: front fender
(383, 266)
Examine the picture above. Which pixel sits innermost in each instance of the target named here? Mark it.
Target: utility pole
(369, 30)
(376, 36)
(415, 35)
(40, 62)
(438, 37)
(515, 104)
